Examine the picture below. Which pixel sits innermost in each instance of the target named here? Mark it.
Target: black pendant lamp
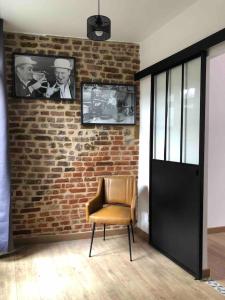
(98, 27)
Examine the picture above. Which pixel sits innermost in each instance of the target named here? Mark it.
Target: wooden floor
(63, 270)
(216, 256)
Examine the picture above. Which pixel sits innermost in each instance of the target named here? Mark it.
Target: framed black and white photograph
(108, 104)
(43, 76)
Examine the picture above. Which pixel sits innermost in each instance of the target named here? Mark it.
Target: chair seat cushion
(112, 214)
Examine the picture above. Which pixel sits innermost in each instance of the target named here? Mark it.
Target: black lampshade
(98, 28)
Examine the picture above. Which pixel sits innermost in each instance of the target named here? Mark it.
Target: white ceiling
(132, 20)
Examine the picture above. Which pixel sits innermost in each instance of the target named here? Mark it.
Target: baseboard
(75, 236)
(65, 237)
(142, 234)
(205, 273)
(216, 229)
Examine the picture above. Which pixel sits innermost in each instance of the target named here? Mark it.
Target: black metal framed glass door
(177, 162)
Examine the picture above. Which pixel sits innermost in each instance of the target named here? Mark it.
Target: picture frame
(108, 104)
(43, 77)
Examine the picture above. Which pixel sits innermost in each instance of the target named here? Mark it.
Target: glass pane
(159, 116)
(174, 114)
(191, 111)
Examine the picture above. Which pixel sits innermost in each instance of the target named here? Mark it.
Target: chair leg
(104, 233)
(128, 231)
(132, 230)
(92, 236)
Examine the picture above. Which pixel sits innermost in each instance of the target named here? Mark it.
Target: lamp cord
(98, 7)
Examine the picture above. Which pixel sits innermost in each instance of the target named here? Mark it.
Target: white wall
(143, 172)
(203, 18)
(216, 139)
(197, 22)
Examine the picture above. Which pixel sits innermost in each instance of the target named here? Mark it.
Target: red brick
(56, 161)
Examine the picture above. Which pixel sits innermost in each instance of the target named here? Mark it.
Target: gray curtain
(6, 244)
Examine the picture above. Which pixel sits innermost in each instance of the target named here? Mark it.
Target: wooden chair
(114, 204)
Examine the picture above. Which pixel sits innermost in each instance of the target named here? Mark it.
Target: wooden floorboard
(216, 256)
(63, 271)
(7, 279)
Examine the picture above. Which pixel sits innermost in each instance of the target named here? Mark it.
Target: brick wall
(56, 161)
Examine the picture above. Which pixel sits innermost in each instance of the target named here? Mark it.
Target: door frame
(185, 54)
(203, 56)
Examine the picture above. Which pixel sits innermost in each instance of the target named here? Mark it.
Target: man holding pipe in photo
(25, 84)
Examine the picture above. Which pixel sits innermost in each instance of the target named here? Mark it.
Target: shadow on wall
(143, 208)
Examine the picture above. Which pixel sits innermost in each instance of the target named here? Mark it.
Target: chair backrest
(119, 189)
